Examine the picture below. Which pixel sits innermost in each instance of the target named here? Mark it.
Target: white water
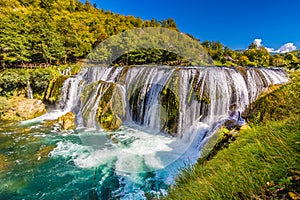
(29, 91)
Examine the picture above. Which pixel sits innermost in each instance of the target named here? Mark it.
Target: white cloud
(257, 42)
(288, 47)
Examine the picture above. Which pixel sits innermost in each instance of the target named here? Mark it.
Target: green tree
(258, 56)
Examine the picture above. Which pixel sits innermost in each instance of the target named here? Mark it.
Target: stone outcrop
(109, 109)
(67, 121)
(20, 108)
(53, 93)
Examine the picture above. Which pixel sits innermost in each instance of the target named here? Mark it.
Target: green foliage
(56, 31)
(40, 81)
(14, 81)
(149, 56)
(258, 56)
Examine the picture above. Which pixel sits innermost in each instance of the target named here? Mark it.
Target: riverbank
(25, 92)
(263, 163)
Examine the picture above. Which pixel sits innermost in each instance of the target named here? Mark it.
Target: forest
(56, 32)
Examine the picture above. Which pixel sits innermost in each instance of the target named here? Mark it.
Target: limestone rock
(20, 108)
(67, 121)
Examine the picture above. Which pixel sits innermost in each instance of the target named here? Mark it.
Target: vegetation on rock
(110, 108)
(170, 104)
(53, 92)
(109, 100)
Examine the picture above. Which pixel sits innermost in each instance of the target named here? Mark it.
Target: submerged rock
(20, 108)
(4, 163)
(67, 121)
(43, 153)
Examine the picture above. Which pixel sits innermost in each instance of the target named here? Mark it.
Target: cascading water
(201, 94)
(167, 114)
(29, 91)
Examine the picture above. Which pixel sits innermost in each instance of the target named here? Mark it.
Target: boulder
(20, 108)
(110, 122)
(4, 163)
(67, 121)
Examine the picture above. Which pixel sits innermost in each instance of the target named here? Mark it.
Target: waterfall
(29, 91)
(168, 114)
(171, 100)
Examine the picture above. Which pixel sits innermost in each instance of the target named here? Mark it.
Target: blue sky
(235, 23)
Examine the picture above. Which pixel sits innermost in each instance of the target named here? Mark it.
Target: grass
(263, 163)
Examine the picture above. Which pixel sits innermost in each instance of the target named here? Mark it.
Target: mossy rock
(110, 108)
(109, 122)
(4, 163)
(53, 93)
(243, 71)
(220, 140)
(42, 153)
(67, 121)
(169, 97)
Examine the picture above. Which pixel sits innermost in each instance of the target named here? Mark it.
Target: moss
(169, 98)
(110, 108)
(53, 93)
(87, 92)
(243, 71)
(199, 91)
(221, 139)
(123, 74)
